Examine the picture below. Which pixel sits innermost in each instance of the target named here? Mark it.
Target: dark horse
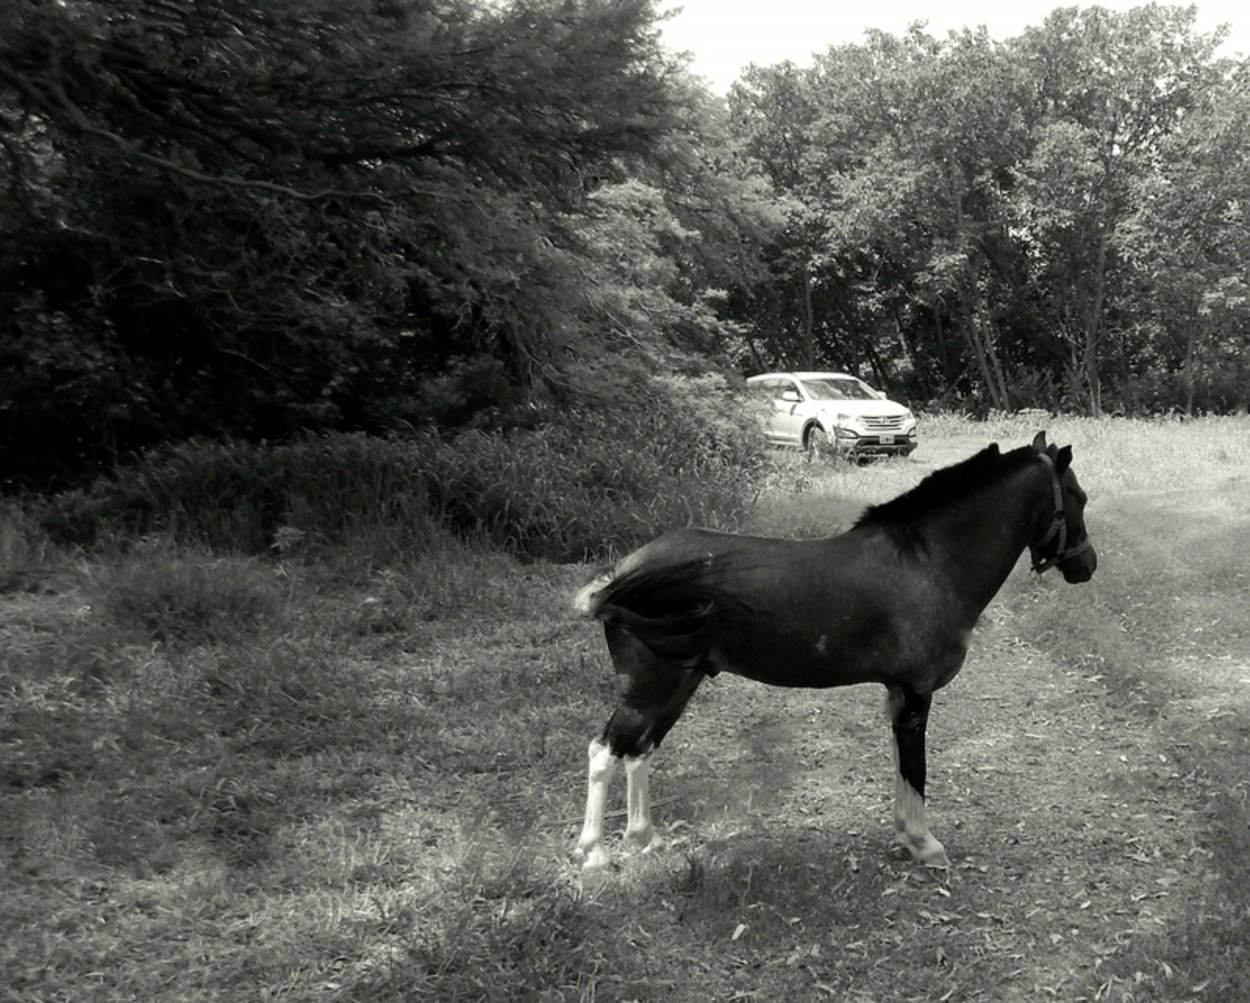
(892, 600)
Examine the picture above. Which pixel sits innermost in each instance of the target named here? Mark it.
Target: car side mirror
(791, 397)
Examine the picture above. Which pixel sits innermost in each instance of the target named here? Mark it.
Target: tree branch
(74, 117)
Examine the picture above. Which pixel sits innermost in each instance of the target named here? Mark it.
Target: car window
(843, 388)
(772, 389)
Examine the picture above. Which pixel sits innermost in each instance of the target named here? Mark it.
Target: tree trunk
(809, 325)
(1189, 366)
(986, 355)
(879, 375)
(1092, 328)
(1092, 378)
(756, 358)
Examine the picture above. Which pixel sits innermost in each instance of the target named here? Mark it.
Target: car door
(789, 416)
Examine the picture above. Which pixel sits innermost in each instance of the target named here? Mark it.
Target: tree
(960, 200)
(1187, 243)
(770, 118)
(897, 151)
(227, 217)
(667, 242)
(913, 170)
(1109, 88)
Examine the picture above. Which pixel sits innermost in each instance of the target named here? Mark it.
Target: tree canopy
(236, 218)
(228, 218)
(987, 222)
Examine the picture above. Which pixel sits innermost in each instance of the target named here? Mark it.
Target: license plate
(887, 440)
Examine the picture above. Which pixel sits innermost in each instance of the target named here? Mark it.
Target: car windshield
(837, 389)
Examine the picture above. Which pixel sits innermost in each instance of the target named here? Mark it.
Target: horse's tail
(587, 597)
(679, 611)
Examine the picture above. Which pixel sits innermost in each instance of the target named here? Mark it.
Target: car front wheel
(817, 441)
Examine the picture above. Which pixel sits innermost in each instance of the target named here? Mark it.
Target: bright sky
(726, 35)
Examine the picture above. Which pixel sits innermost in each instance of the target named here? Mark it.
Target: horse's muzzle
(1079, 568)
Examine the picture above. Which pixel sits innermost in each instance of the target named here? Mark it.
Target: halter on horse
(893, 601)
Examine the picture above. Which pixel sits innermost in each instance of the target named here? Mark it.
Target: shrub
(594, 482)
(582, 484)
(23, 546)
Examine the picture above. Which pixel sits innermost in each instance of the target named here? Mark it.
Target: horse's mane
(948, 484)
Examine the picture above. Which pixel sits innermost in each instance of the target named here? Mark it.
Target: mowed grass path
(372, 791)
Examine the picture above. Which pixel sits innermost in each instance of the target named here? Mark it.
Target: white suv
(833, 412)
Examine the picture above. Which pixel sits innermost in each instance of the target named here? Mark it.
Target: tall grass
(585, 485)
(180, 596)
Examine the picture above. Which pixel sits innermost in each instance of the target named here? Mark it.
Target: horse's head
(1062, 540)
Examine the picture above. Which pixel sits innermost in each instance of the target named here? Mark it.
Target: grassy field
(231, 779)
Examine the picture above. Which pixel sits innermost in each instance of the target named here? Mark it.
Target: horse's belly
(827, 659)
(817, 670)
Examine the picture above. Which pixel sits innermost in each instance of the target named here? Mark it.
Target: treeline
(232, 219)
(1057, 220)
(245, 219)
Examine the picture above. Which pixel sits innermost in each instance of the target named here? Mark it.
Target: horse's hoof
(642, 841)
(594, 859)
(652, 845)
(928, 851)
(934, 855)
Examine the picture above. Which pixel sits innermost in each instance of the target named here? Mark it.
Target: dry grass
(368, 791)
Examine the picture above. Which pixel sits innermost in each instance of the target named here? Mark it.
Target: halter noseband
(1058, 527)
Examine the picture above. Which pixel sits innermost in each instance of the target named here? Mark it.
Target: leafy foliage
(967, 205)
(238, 219)
(562, 490)
(225, 220)
(1186, 244)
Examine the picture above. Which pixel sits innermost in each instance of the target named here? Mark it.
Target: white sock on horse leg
(910, 821)
(638, 829)
(601, 768)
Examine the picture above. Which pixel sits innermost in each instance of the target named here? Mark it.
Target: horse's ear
(1063, 459)
(992, 449)
(1039, 442)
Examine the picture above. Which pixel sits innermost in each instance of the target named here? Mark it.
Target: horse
(893, 600)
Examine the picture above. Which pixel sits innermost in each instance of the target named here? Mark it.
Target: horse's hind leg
(652, 694)
(909, 714)
(602, 768)
(639, 832)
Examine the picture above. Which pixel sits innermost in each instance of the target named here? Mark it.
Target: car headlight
(841, 426)
(908, 416)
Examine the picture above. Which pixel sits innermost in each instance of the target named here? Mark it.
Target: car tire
(816, 442)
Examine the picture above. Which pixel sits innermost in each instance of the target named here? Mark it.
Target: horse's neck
(981, 539)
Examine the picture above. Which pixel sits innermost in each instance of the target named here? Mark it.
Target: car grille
(882, 423)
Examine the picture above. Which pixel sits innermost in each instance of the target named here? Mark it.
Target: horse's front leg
(909, 714)
(601, 769)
